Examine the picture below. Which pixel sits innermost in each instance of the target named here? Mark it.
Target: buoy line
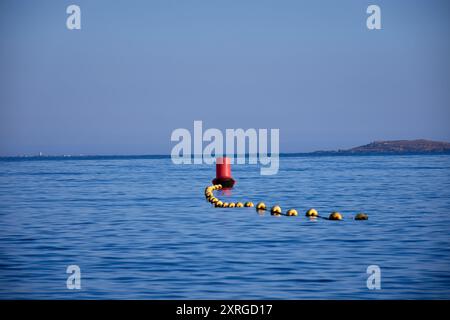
(275, 210)
(224, 180)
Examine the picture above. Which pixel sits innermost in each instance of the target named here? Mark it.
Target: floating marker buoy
(223, 173)
(275, 211)
(312, 213)
(335, 216)
(219, 204)
(361, 216)
(291, 213)
(224, 180)
(261, 206)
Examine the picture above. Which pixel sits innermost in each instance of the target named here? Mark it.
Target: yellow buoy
(208, 194)
(361, 216)
(213, 200)
(239, 205)
(226, 204)
(218, 186)
(335, 216)
(261, 206)
(275, 211)
(231, 205)
(312, 213)
(219, 204)
(249, 204)
(291, 213)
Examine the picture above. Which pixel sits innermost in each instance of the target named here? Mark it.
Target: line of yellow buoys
(275, 210)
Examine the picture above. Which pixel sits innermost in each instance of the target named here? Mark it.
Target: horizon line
(350, 150)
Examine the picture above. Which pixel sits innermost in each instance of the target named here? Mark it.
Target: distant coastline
(396, 147)
(382, 147)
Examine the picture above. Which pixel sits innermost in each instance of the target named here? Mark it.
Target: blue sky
(137, 70)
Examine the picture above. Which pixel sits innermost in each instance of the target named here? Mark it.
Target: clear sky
(137, 70)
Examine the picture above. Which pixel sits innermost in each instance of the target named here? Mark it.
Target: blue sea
(140, 228)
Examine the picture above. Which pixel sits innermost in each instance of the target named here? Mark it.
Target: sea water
(140, 228)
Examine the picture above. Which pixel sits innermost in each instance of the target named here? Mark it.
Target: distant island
(397, 146)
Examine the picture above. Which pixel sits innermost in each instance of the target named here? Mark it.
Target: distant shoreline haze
(417, 146)
(399, 146)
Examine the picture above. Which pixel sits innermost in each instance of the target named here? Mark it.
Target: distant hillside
(402, 146)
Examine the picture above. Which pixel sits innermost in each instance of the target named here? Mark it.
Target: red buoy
(223, 173)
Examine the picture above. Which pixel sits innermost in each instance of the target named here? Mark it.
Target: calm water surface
(141, 229)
